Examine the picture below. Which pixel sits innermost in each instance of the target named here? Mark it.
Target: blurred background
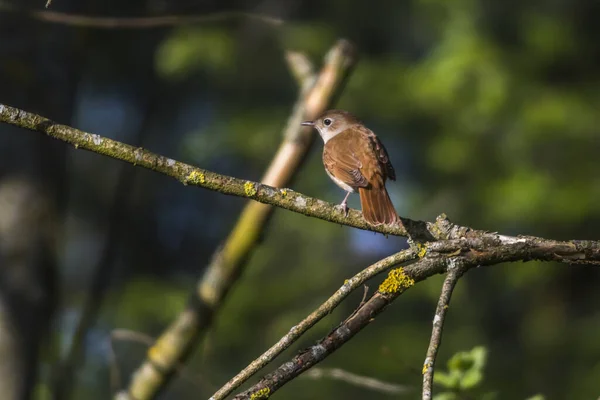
(489, 111)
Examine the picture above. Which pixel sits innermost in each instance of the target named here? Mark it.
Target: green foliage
(313, 38)
(465, 376)
(537, 397)
(147, 299)
(465, 370)
(199, 48)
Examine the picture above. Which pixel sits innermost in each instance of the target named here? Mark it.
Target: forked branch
(437, 257)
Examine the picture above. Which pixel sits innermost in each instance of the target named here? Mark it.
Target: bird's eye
(327, 121)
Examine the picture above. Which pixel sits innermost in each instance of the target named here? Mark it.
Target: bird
(356, 160)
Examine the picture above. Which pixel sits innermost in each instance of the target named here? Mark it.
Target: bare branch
(85, 21)
(358, 380)
(323, 310)
(113, 362)
(438, 325)
(126, 335)
(437, 258)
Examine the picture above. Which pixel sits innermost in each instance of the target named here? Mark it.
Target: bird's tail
(377, 208)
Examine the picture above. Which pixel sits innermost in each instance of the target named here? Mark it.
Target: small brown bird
(355, 159)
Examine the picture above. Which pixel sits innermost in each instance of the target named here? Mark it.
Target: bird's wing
(341, 162)
(380, 152)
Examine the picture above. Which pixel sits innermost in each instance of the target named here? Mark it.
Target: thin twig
(131, 336)
(362, 302)
(323, 310)
(85, 21)
(366, 382)
(438, 325)
(113, 361)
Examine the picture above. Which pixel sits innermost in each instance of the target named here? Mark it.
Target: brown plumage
(356, 160)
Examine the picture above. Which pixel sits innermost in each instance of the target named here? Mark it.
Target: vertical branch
(454, 273)
(178, 340)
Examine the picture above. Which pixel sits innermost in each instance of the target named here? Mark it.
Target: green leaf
(465, 370)
(449, 380)
(471, 379)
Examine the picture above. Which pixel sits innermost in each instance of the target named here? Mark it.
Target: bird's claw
(344, 208)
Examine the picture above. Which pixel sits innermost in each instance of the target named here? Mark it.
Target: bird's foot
(344, 208)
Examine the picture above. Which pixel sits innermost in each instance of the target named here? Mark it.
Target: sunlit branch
(435, 342)
(190, 175)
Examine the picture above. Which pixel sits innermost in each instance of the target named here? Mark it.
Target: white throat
(329, 133)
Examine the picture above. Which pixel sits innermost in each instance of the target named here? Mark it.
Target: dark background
(489, 110)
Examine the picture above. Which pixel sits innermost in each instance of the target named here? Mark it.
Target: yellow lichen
(195, 177)
(396, 281)
(261, 394)
(426, 367)
(250, 189)
(436, 231)
(422, 250)
(284, 192)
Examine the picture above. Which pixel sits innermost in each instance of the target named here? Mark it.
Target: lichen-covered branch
(395, 284)
(324, 309)
(317, 93)
(435, 342)
(437, 257)
(193, 176)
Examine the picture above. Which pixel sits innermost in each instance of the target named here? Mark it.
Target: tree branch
(86, 21)
(437, 257)
(176, 343)
(359, 381)
(438, 325)
(193, 176)
(326, 308)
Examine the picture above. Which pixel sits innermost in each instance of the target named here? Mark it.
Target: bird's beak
(308, 123)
